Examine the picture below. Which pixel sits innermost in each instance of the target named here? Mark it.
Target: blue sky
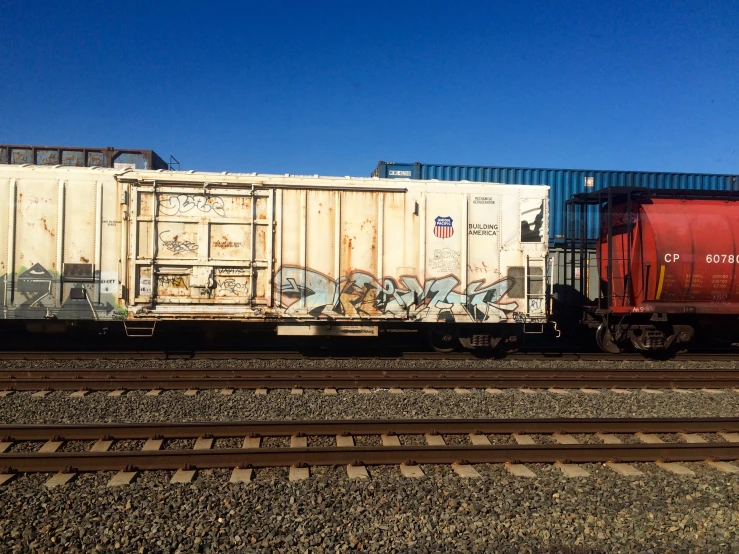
(333, 87)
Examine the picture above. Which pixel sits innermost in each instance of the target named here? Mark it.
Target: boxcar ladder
(539, 298)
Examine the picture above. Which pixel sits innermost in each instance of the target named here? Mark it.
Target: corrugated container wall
(563, 183)
(81, 156)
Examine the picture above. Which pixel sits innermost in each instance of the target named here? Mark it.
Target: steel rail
(364, 455)
(349, 382)
(359, 372)
(368, 354)
(178, 430)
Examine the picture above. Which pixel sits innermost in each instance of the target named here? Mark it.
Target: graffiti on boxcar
(34, 293)
(184, 203)
(177, 246)
(171, 281)
(227, 244)
(233, 286)
(362, 294)
(445, 259)
(34, 284)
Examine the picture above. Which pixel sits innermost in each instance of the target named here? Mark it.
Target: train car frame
(667, 263)
(300, 255)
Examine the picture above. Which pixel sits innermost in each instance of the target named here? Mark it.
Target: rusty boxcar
(303, 255)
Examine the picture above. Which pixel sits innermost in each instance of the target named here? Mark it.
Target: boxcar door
(204, 248)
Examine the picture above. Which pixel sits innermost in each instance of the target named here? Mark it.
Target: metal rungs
(539, 332)
(140, 329)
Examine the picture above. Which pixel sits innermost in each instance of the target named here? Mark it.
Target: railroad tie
(395, 390)
(461, 390)
(79, 394)
(116, 393)
(241, 475)
(260, 392)
(672, 467)
(40, 394)
(185, 476)
(124, 477)
(299, 473)
(466, 471)
(330, 391)
(569, 470)
(522, 439)
(59, 479)
(191, 392)
(430, 390)
(726, 467)
(245, 474)
(620, 391)
(4, 393)
(155, 392)
(558, 391)
(296, 391)
(520, 470)
(101, 445)
(479, 439)
(5, 446)
(434, 440)
(352, 471)
(491, 390)
(411, 471)
(589, 391)
(50, 446)
(227, 392)
(627, 470)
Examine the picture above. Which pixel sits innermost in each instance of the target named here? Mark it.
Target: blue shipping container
(563, 183)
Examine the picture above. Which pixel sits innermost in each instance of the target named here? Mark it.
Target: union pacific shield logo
(443, 227)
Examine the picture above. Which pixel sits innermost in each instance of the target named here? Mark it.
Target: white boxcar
(306, 254)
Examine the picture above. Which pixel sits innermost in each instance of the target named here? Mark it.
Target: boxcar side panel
(7, 205)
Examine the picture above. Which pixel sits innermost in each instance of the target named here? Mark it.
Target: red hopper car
(668, 262)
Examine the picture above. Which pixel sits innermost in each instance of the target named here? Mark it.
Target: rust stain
(84, 260)
(46, 228)
(346, 255)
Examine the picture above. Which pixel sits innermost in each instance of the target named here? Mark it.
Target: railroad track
(514, 442)
(355, 355)
(74, 379)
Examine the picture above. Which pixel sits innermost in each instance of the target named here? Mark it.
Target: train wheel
(604, 338)
(443, 339)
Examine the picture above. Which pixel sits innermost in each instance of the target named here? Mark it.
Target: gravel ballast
(657, 512)
(211, 405)
(328, 513)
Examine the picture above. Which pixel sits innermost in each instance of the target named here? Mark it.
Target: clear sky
(333, 87)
